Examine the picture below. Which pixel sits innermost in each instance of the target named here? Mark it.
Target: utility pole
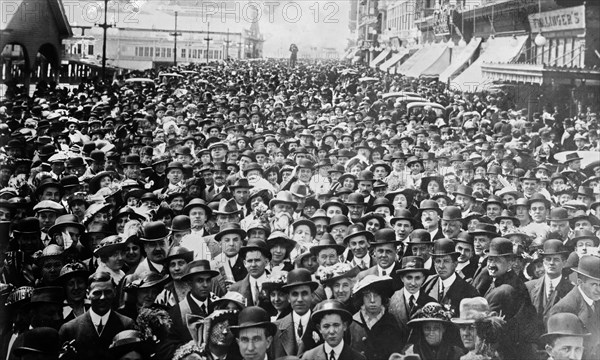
(104, 27)
(227, 45)
(175, 34)
(207, 39)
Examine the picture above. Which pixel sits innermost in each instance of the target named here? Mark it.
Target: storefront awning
(394, 59)
(439, 65)
(423, 59)
(382, 55)
(494, 50)
(460, 60)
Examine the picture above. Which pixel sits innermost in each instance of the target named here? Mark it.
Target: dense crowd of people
(255, 210)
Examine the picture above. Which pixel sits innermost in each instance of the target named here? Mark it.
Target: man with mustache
(420, 244)
(482, 236)
(508, 295)
(156, 247)
(464, 199)
(467, 260)
(430, 218)
(256, 255)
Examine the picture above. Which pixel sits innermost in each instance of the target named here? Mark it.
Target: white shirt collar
(261, 279)
(232, 260)
(449, 281)
(304, 319)
(388, 271)
(337, 350)
(407, 296)
(587, 300)
(548, 281)
(200, 303)
(96, 318)
(428, 262)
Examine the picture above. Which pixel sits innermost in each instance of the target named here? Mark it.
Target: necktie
(100, 327)
(332, 355)
(256, 292)
(203, 309)
(411, 302)
(550, 291)
(300, 329)
(383, 273)
(441, 294)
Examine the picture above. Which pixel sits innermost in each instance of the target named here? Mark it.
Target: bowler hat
(299, 277)
(537, 197)
(330, 306)
(385, 236)
(412, 263)
(254, 316)
(355, 199)
(181, 223)
(572, 157)
(132, 160)
(507, 215)
(464, 237)
(553, 247)
(198, 267)
(443, 247)
(154, 231)
(419, 236)
(311, 225)
(365, 175)
(559, 214)
(500, 247)
(241, 184)
(452, 213)
(381, 202)
(402, 214)
(589, 265)
(49, 182)
(339, 220)
(335, 202)
(174, 165)
(47, 294)
(430, 205)
(564, 324)
(464, 190)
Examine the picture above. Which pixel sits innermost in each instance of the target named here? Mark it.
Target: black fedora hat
(484, 229)
(564, 324)
(500, 247)
(180, 223)
(403, 214)
(198, 267)
(327, 242)
(252, 317)
(452, 213)
(230, 228)
(355, 230)
(299, 277)
(553, 247)
(412, 263)
(256, 245)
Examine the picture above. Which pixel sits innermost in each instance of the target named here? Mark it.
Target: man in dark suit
(482, 236)
(420, 244)
(93, 331)
(553, 286)
(297, 333)
(256, 255)
(406, 301)
(384, 250)
(584, 301)
(229, 262)
(218, 189)
(430, 212)
(332, 320)
(508, 295)
(197, 304)
(467, 260)
(447, 288)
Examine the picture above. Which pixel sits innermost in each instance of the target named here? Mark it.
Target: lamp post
(175, 35)
(207, 39)
(104, 27)
(227, 42)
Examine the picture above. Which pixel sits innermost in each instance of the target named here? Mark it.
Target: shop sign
(558, 20)
(441, 24)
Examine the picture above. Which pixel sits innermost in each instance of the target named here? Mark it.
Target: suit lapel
(288, 339)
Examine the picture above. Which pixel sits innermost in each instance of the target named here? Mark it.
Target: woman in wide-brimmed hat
(429, 337)
(280, 246)
(339, 279)
(374, 331)
(73, 278)
(279, 299)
